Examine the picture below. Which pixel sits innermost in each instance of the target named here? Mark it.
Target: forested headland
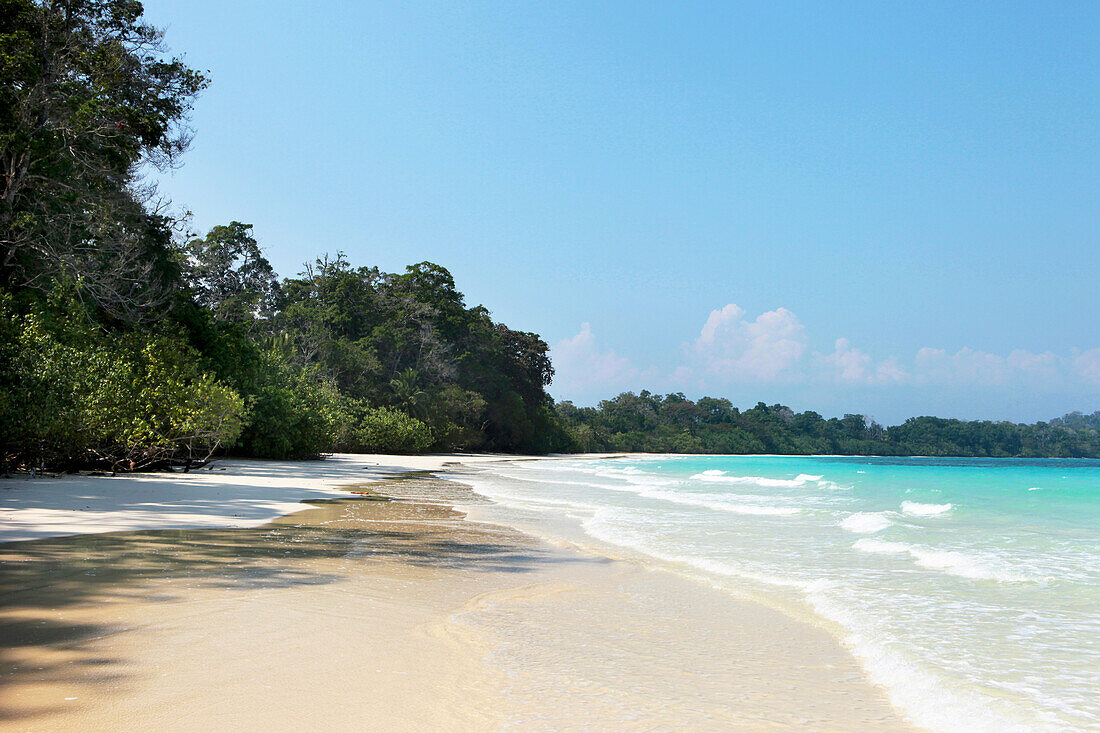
(128, 342)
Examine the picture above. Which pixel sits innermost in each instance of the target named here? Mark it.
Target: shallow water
(970, 588)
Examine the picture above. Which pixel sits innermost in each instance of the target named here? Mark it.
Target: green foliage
(176, 406)
(383, 430)
(292, 413)
(230, 276)
(456, 418)
(88, 94)
(408, 342)
(73, 394)
(647, 422)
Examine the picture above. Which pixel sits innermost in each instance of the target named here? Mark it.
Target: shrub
(292, 413)
(75, 395)
(383, 430)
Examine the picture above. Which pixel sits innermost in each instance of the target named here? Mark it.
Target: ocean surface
(968, 588)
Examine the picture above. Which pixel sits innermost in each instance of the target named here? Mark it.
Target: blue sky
(884, 208)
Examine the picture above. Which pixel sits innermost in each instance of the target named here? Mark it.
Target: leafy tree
(88, 96)
(230, 276)
(718, 410)
(457, 418)
(407, 394)
(291, 412)
(408, 341)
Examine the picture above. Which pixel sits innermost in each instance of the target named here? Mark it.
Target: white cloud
(736, 349)
(580, 367)
(849, 365)
(981, 368)
(1087, 365)
(966, 366)
(1043, 365)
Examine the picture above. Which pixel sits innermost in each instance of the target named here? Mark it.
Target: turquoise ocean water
(969, 588)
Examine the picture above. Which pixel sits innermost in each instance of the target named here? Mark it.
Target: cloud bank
(734, 349)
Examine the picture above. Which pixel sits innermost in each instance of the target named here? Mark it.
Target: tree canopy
(88, 96)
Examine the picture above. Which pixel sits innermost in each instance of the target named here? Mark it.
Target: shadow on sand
(40, 579)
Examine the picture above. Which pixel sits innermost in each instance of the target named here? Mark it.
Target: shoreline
(477, 590)
(231, 493)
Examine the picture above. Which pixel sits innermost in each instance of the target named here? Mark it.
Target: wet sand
(390, 611)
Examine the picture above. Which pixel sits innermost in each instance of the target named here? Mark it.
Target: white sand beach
(216, 600)
(228, 493)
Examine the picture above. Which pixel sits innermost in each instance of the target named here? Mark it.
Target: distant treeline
(674, 424)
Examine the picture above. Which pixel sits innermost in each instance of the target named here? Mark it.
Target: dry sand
(385, 611)
(231, 493)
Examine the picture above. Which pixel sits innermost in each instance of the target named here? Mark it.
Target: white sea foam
(880, 546)
(720, 477)
(865, 522)
(932, 702)
(538, 480)
(574, 468)
(507, 496)
(1036, 488)
(634, 476)
(722, 504)
(617, 528)
(625, 470)
(951, 562)
(917, 509)
(963, 565)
